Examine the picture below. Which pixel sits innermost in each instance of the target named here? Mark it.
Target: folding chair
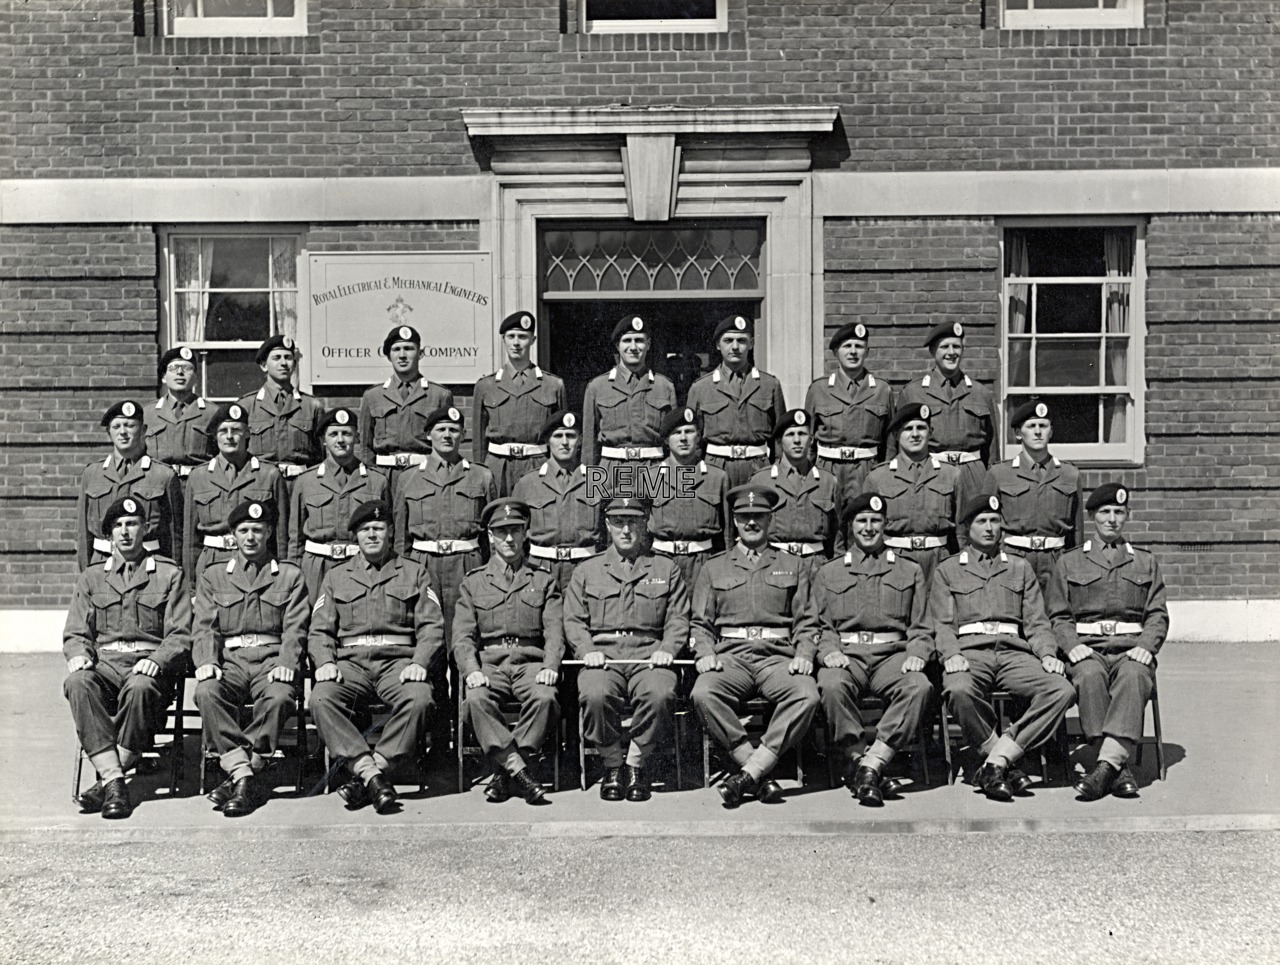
(1154, 703)
(177, 734)
(511, 713)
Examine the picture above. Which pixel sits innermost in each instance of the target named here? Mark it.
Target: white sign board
(355, 299)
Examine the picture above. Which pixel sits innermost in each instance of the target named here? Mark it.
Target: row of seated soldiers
(757, 618)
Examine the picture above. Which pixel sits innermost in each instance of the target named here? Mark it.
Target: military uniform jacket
(700, 513)
(603, 598)
(512, 407)
(1037, 502)
(737, 411)
(871, 593)
(968, 589)
(561, 510)
(180, 440)
(211, 496)
(810, 508)
(284, 429)
(390, 424)
(965, 422)
(622, 409)
(918, 502)
(321, 505)
(441, 501)
(151, 607)
(357, 598)
(522, 615)
(850, 413)
(771, 591)
(231, 602)
(153, 483)
(1085, 588)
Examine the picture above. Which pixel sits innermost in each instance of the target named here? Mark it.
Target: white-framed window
(653, 16)
(1070, 14)
(235, 18)
(1072, 333)
(226, 289)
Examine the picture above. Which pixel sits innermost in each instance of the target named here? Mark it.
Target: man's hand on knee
(956, 663)
(476, 679)
(912, 664)
(1079, 652)
(801, 666)
(147, 667)
(79, 662)
(327, 672)
(835, 660)
(708, 664)
(1140, 655)
(208, 670)
(281, 675)
(1052, 665)
(594, 659)
(415, 673)
(548, 677)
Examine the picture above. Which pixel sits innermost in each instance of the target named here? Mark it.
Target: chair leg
(679, 763)
(555, 758)
(178, 749)
(946, 742)
(202, 785)
(922, 752)
(458, 743)
(76, 773)
(706, 758)
(300, 741)
(1161, 766)
(582, 750)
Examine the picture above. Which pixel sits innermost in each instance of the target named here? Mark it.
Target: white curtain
(193, 263)
(284, 285)
(1019, 307)
(1118, 252)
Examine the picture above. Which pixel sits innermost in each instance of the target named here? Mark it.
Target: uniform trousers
(368, 673)
(1112, 692)
(507, 470)
(539, 707)
(444, 576)
(851, 475)
(906, 696)
(112, 705)
(244, 679)
(739, 471)
(603, 694)
(717, 694)
(968, 695)
(1042, 561)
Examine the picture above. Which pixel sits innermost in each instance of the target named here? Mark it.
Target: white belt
(562, 552)
(682, 547)
(224, 542)
(846, 453)
(1108, 628)
(753, 633)
(378, 640)
(182, 471)
(446, 547)
(290, 469)
(915, 542)
(798, 549)
(401, 460)
(251, 640)
(126, 646)
(991, 627)
(517, 450)
(1036, 542)
(104, 545)
(334, 551)
(631, 452)
(736, 452)
(955, 458)
(869, 637)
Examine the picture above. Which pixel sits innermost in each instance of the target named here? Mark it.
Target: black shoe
(866, 788)
(1018, 780)
(735, 787)
(499, 789)
(993, 779)
(1126, 785)
(246, 798)
(1097, 783)
(115, 800)
(769, 791)
(637, 785)
(90, 801)
(354, 793)
(522, 783)
(221, 794)
(383, 794)
(611, 786)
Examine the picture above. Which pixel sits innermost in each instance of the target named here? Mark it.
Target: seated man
(127, 639)
(376, 631)
(747, 606)
(250, 630)
(628, 606)
(992, 633)
(508, 641)
(869, 609)
(1106, 603)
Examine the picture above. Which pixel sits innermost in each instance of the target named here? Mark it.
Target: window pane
(1020, 362)
(1072, 361)
(651, 9)
(1075, 418)
(239, 263)
(1068, 308)
(1115, 418)
(238, 316)
(1066, 4)
(230, 375)
(235, 8)
(1117, 361)
(1078, 252)
(284, 262)
(282, 8)
(1015, 4)
(188, 317)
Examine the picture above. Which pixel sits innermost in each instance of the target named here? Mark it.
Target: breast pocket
(1136, 587)
(273, 606)
(604, 605)
(651, 605)
(400, 601)
(97, 497)
(528, 611)
(208, 508)
(108, 611)
(151, 611)
(897, 594)
(779, 589)
(714, 405)
(351, 603)
(1061, 494)
(936, 498)
(1009, 592)
(487, 605)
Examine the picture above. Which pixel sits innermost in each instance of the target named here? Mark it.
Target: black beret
(127, 409)
(793, 418)
(628, 324)
(865, 503)
(274, 342)
(256, 511)
(944, 330)
(446, 413)
(338, 417)
(916, 412)
(677, 418)
(627, 506)
(561, 420)
(519, 321)
(985, 503)
(1108, 494)
(1031, 409)
(230, 412)
(733, 323)
(401, 333)
(180, 354)
(375, 510)
(504, 512)
(124, 506)
(846, 332)
(753, 498)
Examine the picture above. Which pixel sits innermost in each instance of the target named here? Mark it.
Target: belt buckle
(866, 636)
(228, 542)
(682, 546)
(446, 545)
(337, 551)
(846, 452)
(753, 633)
(517, 452)
(738, 452)
(953, 458)
(1037, 542)
(1109, 627)
(507, 642)
(917, 542)
(564, 553)
(633, 452)
(794, 549)
(991, 626)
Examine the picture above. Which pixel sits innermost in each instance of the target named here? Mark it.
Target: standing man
(628, 606)
(179, 423)
(284, 423)
(1040, 494)
(249, 636)
(126, 642)
(508, 641)
(1107, 604)
(738, 403)
(376, 631)
(992, 633)
(511, 406)
(966, 429)
(806, 520)
(128, 471)
(748, 606)
(869, 611)
(851, 407)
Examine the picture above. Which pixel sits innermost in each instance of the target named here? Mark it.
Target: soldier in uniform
(376, 631)
(511, 406)
(919, 492)
(869, 610)
(738, 403)
(1106, 601)
(748, 605)
(179, 429)
(992, 633)
(249, 636)
(626, 616)
(126, 642)
(966, 429)
(128, 471)
(218, 486)
(508, 641)
(689, 521)
(851, 407)
(284, 422)
(564, 517)
(806, 521)
(393, 430)
(324, 497)
(1039, 492)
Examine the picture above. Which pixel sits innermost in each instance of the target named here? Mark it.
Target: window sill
(1081, 37)
(223, 46)
(708, 40)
